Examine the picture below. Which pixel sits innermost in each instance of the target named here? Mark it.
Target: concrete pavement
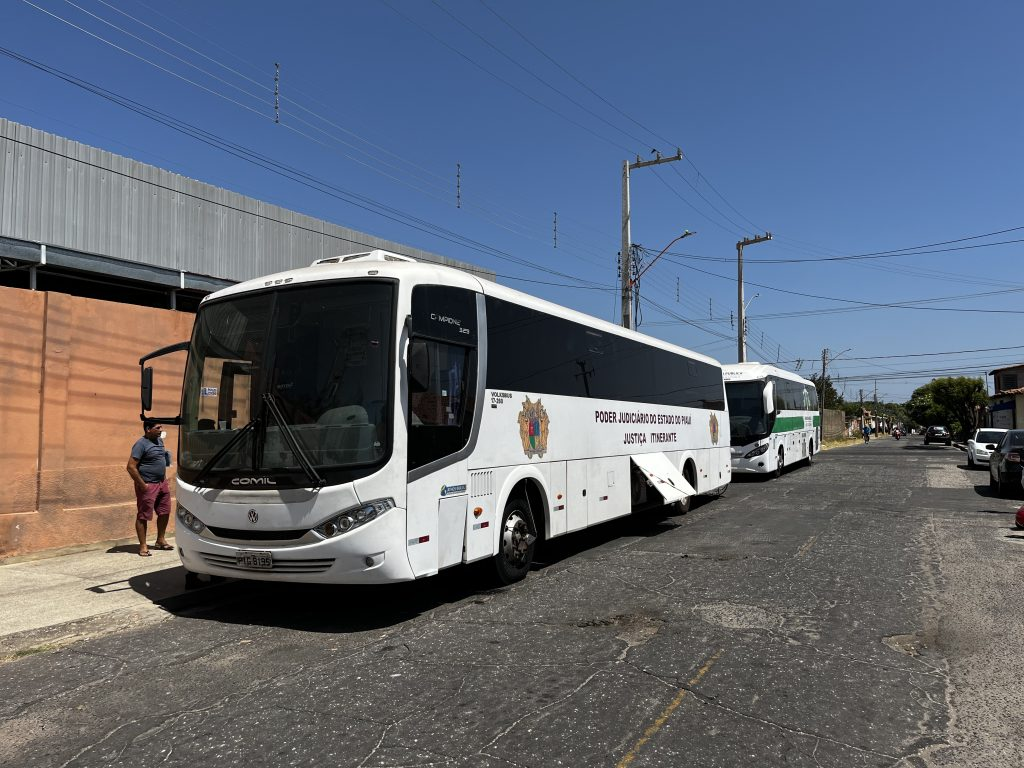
(50, 601)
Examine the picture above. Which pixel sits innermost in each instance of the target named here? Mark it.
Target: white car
(980, 446)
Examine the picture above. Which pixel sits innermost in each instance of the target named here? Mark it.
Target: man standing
(148, 469)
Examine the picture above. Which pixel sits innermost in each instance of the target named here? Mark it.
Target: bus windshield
(747, 420)
(282, 381)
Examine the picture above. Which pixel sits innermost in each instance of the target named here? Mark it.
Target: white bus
(773, 418)
(373, 419)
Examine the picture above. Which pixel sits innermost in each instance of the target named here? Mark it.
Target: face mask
(163, 435)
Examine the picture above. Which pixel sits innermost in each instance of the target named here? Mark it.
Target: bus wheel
(781, 462)
(518, 538)
(810, 453)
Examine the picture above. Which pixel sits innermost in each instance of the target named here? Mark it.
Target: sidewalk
(111, 583)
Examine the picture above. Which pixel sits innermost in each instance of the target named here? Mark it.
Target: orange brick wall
(69, 413)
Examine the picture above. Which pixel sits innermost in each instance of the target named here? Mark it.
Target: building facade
(1006, 406)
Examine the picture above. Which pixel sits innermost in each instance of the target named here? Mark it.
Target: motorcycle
(896, 434)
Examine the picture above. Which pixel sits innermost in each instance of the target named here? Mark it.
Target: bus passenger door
(577, 505)
(441, 375)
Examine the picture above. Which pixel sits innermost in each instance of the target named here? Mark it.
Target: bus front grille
(317, 565)
(240, 535)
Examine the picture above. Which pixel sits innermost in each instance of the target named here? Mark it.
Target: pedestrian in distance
(147, 466)
(867, 432)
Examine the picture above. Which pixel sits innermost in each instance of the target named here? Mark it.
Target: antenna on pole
(277, 92)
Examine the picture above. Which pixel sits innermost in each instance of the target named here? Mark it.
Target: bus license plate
(258, 560)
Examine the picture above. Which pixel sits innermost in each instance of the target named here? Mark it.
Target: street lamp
(824, 359)
(633, 281)
(686, 233)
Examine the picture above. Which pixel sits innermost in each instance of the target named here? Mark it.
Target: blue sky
(844, 129)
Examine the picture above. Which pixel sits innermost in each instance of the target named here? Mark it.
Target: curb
(72, 549)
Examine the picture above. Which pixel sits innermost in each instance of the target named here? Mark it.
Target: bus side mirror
(419, 367)
(147, 389)
(769, 398)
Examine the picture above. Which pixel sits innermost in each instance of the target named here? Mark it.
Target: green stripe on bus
(817, 420)
(788, 423)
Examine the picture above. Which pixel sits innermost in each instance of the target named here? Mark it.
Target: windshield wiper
(300, 454)
(224, 451)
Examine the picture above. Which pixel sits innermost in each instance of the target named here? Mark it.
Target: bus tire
(781, 462)
(518, 539)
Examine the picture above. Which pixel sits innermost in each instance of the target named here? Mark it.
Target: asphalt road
(864, 611)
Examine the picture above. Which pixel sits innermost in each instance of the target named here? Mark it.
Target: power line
(296, 175)
(633, 120)
(931, 354)
(876, 305)
(534, 75)
(500, 79)
(487, 214)
(914, 250)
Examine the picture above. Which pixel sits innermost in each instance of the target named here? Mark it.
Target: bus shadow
(343, 609)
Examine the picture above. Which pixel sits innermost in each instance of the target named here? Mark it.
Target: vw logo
(253, 516)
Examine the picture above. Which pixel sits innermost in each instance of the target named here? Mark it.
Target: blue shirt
(153, 459)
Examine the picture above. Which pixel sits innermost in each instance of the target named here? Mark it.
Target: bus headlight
(190, 521)
(354, 517)
(757, 451)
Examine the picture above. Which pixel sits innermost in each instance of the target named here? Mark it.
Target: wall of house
(1008, 378)
(1007, 411)
(833, 424)
(69, 414)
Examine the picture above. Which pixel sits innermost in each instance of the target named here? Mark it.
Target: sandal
(165, 547)
(147, 553)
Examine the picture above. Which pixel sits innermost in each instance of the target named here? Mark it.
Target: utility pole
(741, 356)
(863, 420)
(624, 253)
(821, 397)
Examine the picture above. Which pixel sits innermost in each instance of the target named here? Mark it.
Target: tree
(952, 400)
(830, 398)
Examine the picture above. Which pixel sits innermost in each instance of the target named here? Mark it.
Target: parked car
(981, 444)
(937, 435)
(1004, 462)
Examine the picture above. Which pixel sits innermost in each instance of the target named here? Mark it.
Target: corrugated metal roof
(59, 192)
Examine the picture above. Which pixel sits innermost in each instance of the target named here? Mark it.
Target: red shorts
(156, 498)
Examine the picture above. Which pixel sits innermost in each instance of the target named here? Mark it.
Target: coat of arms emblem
(714, 429)
(533, 428)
